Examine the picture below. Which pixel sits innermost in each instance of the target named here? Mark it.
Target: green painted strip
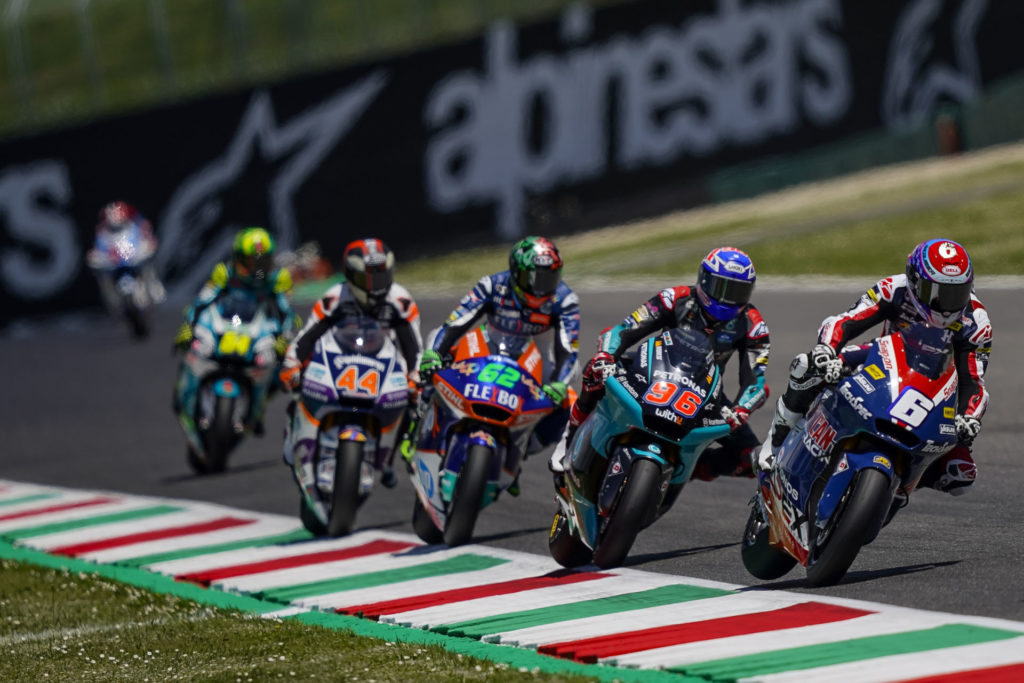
(140, 513)
(453, 565)
(27, 499)
(655, 597)
(514, 657)
(857, 649)
(280, 539)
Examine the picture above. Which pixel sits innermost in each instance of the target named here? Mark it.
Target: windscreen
(506, 344)
(238, 306)
(360, 335)
(928, 349)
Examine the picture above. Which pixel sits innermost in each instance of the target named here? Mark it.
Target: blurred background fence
(65, 60)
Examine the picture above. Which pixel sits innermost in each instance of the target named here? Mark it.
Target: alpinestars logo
(198, 220)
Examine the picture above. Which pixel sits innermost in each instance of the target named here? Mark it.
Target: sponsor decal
(819, 436)
(654, 448)
(883, 461)
(616, 468)
(843, 465)
(643, 356)
(759, 330)
(864, 384)
(478, 392)
(657, 350)
(855, 402)
(875, 371)
(949, 412)
(791, 490)
(628, 387)
(933, 447)
(947, 429)
(667, 414)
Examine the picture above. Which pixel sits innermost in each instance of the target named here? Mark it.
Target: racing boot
(784, 421)
(513, 488)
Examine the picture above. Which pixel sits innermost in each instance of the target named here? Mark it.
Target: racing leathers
(745, 335)
(888, 302)
(398, 313)
(494, 298)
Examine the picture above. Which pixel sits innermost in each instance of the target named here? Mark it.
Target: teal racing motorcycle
(628, 461)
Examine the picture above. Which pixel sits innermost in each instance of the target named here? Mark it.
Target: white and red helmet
(369, 267)
(940, 280)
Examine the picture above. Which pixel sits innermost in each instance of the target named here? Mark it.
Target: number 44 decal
(912, 407)
(351, 381)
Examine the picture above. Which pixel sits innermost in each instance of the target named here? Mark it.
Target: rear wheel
(762, 560)
(856, 521)
(221, 437)
(423, 525)
(634, 506)
(565, 546)
(345, 493)
(468, 495)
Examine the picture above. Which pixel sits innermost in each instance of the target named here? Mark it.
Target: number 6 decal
(911, 407)
(661, 392)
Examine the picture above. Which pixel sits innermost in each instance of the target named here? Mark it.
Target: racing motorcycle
(474, 428)
(225, 377)
(127, 281)
(628, 461)
(847, 467)
(344, 421)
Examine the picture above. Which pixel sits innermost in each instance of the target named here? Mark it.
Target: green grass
(65, 626)
(111, 58)
(860, 225)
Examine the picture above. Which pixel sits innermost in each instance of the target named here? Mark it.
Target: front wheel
(220, 438)
(856, 520)
(565, 546)
(761, 559)
(424, 526)
(468, 496)
(635, 502)
(345, 492)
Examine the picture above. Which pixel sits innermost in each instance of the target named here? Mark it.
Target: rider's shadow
(673, 554)
(856, 577)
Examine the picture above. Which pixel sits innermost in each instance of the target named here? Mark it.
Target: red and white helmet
(369, 267)
(940, 280)
(117, 215)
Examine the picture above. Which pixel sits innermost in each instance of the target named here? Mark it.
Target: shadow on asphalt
(232, 469)
(855, 577)
(673, 554)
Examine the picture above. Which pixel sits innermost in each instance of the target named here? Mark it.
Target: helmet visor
(943, 297)
(725, 290)
(539, 281)
(374, 281)
(256, 266)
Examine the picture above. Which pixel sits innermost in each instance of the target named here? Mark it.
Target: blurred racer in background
(937, 289)
(124, 238)
(251, 268)
(369, 289)
(719, 305)
(529, 298)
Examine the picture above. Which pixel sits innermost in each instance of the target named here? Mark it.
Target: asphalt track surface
(87, 407)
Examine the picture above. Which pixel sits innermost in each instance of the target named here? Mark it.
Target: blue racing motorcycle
(628, 461)
(836, 478)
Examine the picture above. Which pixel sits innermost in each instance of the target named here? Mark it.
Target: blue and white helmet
(725, 282)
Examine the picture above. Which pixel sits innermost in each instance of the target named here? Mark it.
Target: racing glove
(824, 360)
(430, 362)
(598, 369)
(183, 339)
(967, 428)
(735, 417)
(556, 391)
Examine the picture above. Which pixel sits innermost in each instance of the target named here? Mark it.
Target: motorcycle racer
(528, 298)
(369, 289)
(719, 304)
(115, 220)
(251, 268)
(937, 288)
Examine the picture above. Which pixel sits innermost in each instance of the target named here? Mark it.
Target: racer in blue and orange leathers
(936, 289)
(529, 298)
(369, 289)
(718, 304)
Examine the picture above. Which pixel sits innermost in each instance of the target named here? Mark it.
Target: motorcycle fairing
(884, 407)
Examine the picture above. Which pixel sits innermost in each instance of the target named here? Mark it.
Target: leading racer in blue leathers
(718, 304)
(529, 298)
